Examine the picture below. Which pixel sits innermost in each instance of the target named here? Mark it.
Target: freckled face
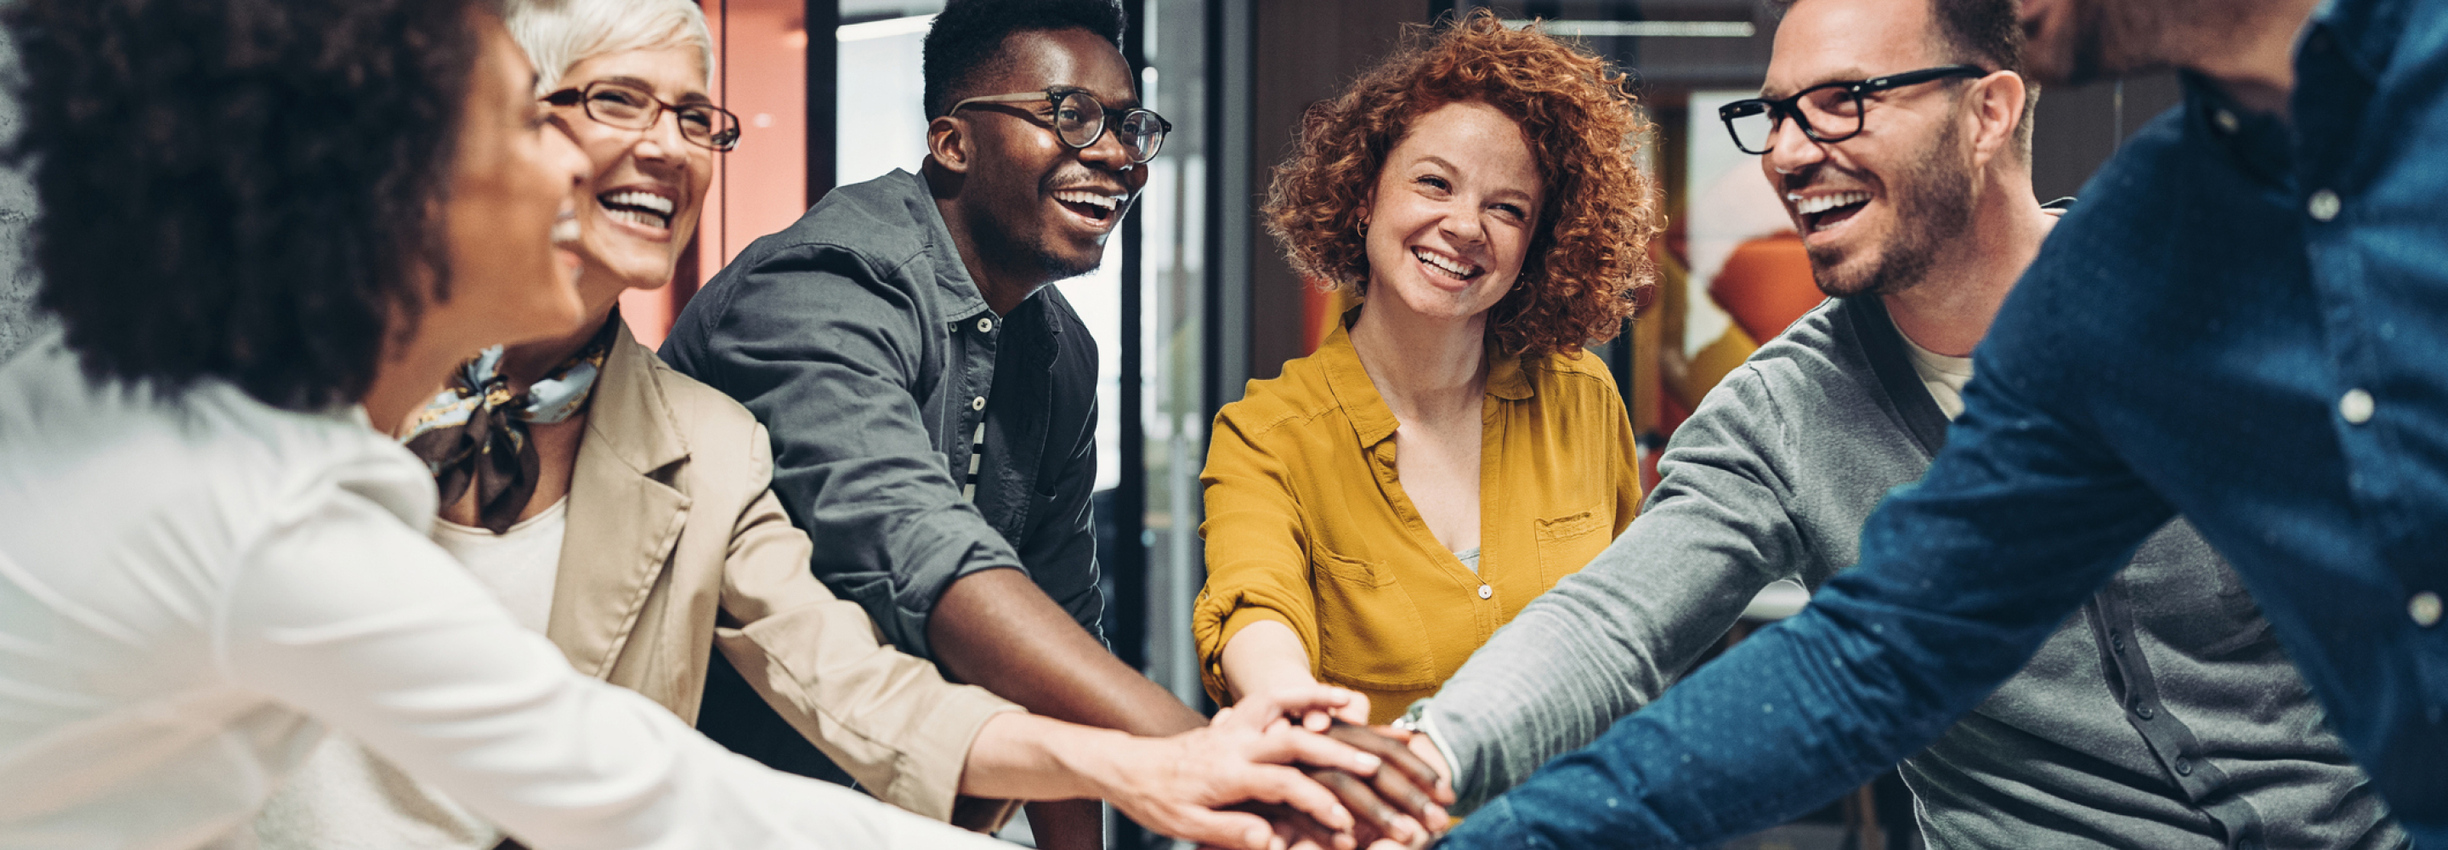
(1452, 214)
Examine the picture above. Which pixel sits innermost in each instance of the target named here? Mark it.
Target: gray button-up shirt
(857, 336)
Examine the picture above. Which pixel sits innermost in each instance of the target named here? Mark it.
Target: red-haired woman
(1447, 453)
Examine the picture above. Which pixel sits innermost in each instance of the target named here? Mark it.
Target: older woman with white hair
(622, 509)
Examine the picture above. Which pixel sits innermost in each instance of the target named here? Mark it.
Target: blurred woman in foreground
(265, 222)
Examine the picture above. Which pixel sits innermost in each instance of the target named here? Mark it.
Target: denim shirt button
(985, 325)
(978, 403)
(2424, 608)
(2184, 766)
(2324, 205)
(2355, 406)
(2226, 121)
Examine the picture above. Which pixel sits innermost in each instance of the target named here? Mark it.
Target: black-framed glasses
(1828, 112)
(1080, 120)
(618, 104)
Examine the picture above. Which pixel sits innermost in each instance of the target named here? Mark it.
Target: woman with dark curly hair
(1447, 454)
(267, 223)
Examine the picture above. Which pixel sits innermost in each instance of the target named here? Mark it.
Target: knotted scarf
(475, 430)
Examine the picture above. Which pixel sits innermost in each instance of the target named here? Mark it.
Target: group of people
(345, 511)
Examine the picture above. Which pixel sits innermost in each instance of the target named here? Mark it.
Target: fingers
(1316, 704)
(1299, 830)
(1221, 830)
(1267, 783)
(1287, 744)
(1418, 784)
(1372, 811)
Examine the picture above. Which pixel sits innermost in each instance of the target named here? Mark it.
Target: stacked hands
(1293, 770)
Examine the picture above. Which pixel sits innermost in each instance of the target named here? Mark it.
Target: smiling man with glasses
(2163, 715)
(930, 394)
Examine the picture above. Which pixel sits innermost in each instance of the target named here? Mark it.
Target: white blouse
(190, 589)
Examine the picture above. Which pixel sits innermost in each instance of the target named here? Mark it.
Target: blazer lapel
(623, 518)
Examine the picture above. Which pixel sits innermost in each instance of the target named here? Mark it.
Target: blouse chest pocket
(1370, 633)
(1567, 541)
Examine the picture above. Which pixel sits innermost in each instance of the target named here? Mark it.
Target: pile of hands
(1291, 770)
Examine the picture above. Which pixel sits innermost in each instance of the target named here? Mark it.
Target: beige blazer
(674, 543)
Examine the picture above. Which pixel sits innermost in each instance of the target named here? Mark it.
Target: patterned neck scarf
(475, 430)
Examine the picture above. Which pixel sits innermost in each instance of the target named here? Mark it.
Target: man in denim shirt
(2244, 323)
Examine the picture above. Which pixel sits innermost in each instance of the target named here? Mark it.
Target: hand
(1402, 803)
(1314, 705)
(1176, 785)
(1415, 789)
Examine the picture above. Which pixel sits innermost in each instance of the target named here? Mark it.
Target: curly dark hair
(966, 40)
(1588, 266)
(240, 189)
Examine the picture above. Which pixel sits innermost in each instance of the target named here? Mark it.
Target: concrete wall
(19, 322)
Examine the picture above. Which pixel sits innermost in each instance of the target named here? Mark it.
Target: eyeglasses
(1828, 112)
(1079, 120)
(618, 104)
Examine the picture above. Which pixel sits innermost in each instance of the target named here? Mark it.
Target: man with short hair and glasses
(2164, 714)
(932, 398)
(2242, 323)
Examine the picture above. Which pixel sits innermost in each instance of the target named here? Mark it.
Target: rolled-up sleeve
(827, 352)
(1257, 562)
(886, 717)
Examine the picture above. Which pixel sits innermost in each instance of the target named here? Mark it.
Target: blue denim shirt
(2246, 321)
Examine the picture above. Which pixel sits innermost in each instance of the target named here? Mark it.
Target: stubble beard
(1933, 207)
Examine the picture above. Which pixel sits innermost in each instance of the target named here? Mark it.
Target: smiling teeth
(1823, 203)
(1447, 266)
(565, 229)
(1093, 199)
(641, 200)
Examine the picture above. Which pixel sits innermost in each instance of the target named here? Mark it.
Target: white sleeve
(348, 615)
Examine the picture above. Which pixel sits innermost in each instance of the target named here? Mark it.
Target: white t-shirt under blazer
(191, 589)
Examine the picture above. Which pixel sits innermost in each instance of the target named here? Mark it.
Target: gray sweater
(2164, 715)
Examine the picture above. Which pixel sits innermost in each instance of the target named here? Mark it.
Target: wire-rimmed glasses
(1080, 120)
(1828, 112)
(619, 104)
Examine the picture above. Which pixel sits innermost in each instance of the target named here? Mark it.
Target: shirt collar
(951, 275)
(1372, 421)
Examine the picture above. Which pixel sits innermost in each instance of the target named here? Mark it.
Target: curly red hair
(1588, 266)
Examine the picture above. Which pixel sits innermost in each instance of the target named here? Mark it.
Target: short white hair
(560, 33)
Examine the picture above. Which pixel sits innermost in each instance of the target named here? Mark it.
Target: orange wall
(760, 50)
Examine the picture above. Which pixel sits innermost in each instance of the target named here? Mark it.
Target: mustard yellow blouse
(1307, 523)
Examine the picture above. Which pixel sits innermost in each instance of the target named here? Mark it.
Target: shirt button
(2184, 767)
(985, 324)
(1486, 591)
(2226, 120)
(2355, 406)
(978, 403)
(2145, 712)
(2424, 608)
(2324, 205)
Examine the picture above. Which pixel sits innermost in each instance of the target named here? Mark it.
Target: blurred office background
(1194, 300)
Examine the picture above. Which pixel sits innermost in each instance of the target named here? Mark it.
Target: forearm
(1265, 657)
(1599, 646)
(1028, 757)
(996, 629)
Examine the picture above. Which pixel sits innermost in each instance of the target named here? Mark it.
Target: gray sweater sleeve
(1611, 637)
